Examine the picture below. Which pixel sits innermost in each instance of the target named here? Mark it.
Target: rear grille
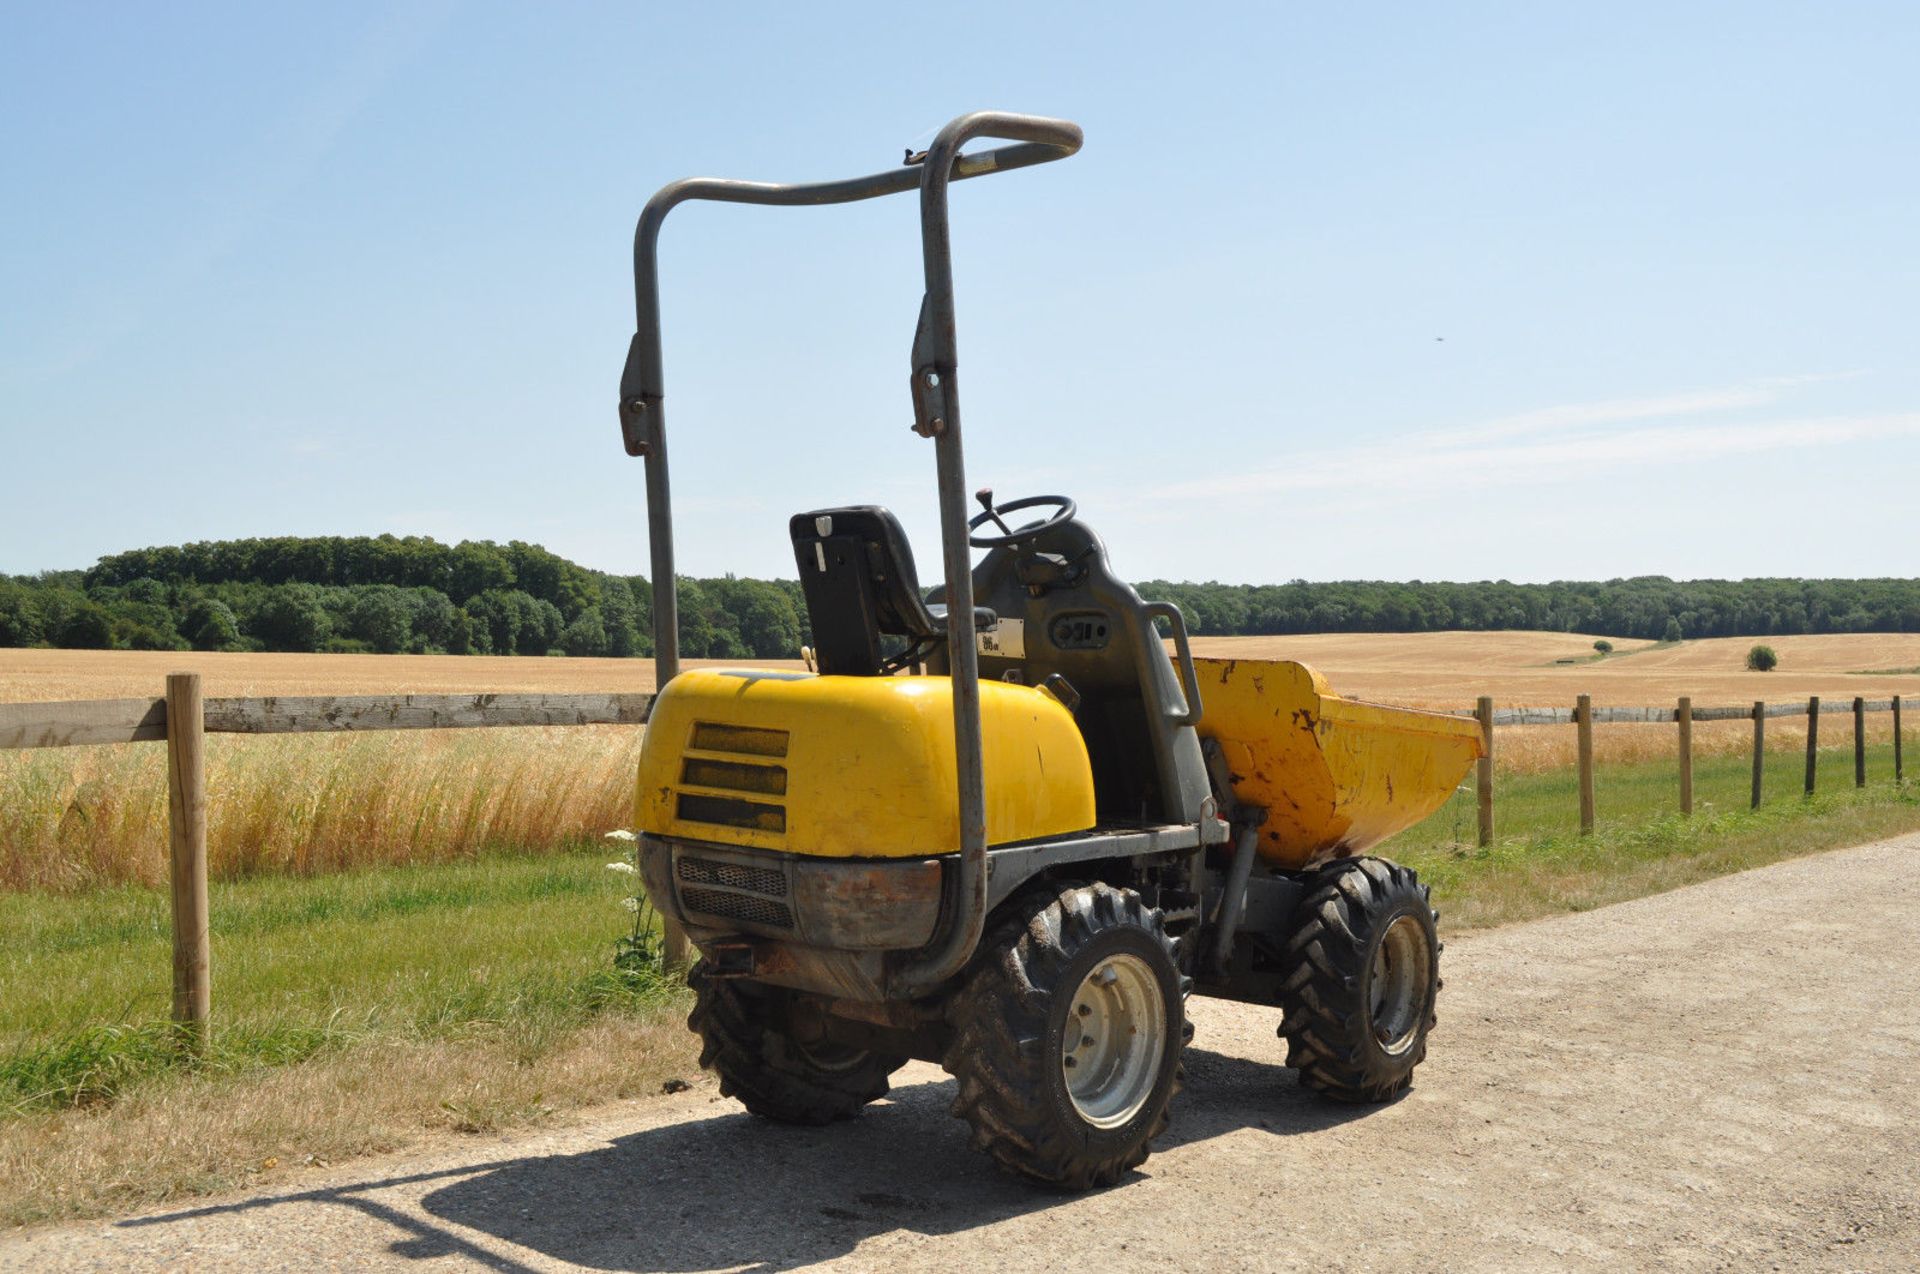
(748, 907)
(734, 891)
(761, 880)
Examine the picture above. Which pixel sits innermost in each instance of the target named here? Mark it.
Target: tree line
(386, 594)
(1649, 606)
(390, 594)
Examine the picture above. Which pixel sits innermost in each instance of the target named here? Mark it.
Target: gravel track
(1715, 1078)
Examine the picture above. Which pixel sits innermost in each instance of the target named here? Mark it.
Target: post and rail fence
(1583, 716)
(183, 718)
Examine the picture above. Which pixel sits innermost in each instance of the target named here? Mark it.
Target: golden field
(1449, 670)
(80, 817)
(1518, 669)
(1433, 670)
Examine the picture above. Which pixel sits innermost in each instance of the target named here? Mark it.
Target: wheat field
(76, 818)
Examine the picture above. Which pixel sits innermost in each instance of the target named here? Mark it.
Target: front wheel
(1068, 1034)
(1362, 976)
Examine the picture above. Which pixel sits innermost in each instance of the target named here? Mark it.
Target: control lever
(985, 496)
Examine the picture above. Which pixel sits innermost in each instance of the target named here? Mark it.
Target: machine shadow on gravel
(737, 1191)
(733, 1190)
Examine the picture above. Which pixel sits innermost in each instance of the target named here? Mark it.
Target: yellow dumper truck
(1000, 826)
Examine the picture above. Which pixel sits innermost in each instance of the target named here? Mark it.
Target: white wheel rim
(1110, 1048)
(1402, 971)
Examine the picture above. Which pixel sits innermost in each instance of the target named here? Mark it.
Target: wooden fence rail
(181, 718)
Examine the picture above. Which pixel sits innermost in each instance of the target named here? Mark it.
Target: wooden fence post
(1484, 710)
(187, 837)
(1759, 747)
(1859, 741)
(1897, 775)
(1813, 739)
(1684, 715)
(1583, 721)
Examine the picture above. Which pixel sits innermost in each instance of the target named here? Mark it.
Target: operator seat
(856, 572)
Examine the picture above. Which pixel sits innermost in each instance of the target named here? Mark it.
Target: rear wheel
(1362, 976)
(1068, 1036)
(779, 1072)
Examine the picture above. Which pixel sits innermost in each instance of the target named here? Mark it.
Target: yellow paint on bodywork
(1336, 776)
(852, 766)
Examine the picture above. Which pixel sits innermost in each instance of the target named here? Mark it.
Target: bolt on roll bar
(936, 406)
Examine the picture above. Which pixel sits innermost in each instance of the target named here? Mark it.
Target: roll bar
(936, 406)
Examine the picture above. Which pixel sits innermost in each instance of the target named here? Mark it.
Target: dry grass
(1535, 749)
(196, 1134)
(83, 817)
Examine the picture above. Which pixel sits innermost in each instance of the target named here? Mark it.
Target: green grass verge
(1540, 864)
(520, 948)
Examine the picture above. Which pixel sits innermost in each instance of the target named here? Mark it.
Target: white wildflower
(625, 867)
(621, 834)
(630, 903)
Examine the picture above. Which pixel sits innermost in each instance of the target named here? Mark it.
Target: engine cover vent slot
(734, 776)
(725, 811)
(717, 736)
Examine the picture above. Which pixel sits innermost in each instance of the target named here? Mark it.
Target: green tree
(586, 635)
(461, 635)
(291, 617)
(20, 623)
(1673, 631)
(211, 625)
(86, 626)
(382, 619)
(1762, 659)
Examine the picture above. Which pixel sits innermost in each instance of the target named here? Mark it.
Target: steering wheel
(1063, 507)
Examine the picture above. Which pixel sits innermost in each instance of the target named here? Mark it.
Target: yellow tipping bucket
(1336, 776)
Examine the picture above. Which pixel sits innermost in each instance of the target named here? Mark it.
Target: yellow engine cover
(852, 766)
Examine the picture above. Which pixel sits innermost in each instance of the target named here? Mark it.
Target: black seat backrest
(856, 571)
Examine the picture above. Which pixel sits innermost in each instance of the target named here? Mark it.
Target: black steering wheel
(1064, 510)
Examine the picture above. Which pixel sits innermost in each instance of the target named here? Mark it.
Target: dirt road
(1718, 1078)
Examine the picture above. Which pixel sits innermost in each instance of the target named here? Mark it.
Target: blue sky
(1440, 292)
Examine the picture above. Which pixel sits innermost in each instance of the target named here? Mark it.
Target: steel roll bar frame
(936, 404)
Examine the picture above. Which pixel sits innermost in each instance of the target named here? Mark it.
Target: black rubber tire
(1010, 1019)
(772, 1074)
(1328, 989)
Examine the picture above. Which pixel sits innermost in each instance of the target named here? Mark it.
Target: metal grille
(761, 880)
(748, 907)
